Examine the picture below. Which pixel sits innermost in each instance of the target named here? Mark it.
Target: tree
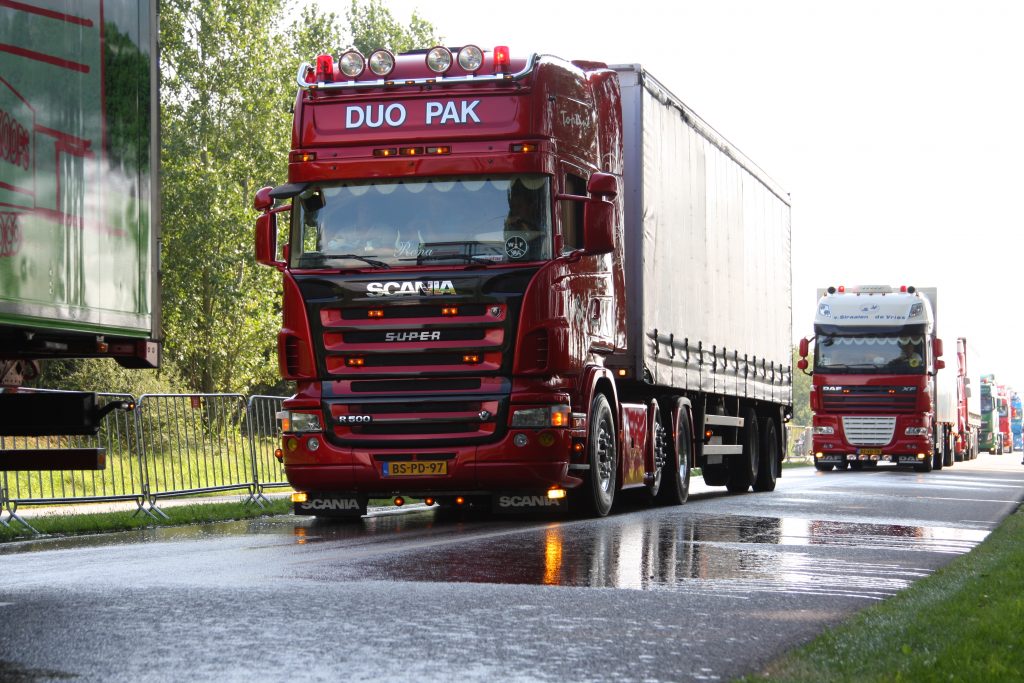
(372, 27)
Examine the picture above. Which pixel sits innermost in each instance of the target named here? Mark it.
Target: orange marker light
(375, 313)
(355, 362)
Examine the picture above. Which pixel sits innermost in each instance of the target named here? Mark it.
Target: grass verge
(965, 622)
(69, 525)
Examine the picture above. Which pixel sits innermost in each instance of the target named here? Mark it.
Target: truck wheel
(675, 482)
(743, 468)
(937, 458)
(823, 466)
(925, 466)
(948, 451)
(662, 456)
(768, 468)
(598, 492)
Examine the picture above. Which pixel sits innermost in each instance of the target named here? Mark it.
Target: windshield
(451, 220)
(870, 355)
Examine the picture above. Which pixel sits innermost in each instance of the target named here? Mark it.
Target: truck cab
(873, 392)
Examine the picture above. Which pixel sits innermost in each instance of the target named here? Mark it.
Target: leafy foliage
(372, 27)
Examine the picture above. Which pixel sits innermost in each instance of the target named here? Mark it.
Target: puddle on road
(731, 556)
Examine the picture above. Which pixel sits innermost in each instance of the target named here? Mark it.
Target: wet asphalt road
(707, 591)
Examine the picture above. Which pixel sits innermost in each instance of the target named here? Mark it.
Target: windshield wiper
(467, 258)
(365, 259)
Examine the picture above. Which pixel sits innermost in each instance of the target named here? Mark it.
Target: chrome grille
(869, 431)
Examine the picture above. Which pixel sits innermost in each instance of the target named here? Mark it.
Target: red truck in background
(875, 394)
(522, 283)
(968, 408)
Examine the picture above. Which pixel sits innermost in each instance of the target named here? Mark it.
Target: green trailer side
(79, 195)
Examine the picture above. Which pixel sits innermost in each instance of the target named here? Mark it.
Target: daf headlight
(916, 431)
(824, 429)
(548, 416)
(293, 421)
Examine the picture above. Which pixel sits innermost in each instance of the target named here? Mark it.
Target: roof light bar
(305, 78)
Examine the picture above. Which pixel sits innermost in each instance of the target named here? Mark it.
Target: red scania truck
(523, 283)
(874, 394)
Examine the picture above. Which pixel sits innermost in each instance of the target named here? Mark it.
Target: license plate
(418, 468)
(869, 451)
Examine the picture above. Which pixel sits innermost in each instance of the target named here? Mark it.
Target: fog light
(520, 440)
(299, 497)
(921, 456)
(292, 443)
(313, 444)
(556, 494)
(546, 439)
(819, 456)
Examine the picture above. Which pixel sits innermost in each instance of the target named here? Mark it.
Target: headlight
(292, 421)
(548, 416)
(439, 59)
(471, 58)
(824, 430)
(382, 62)
(351, 63)
(916, 431)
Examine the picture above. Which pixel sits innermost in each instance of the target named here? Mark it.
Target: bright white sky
(896, 126)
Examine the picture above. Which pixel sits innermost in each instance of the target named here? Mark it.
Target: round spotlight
(313, 444)
(439, 59)
(428, 501)
(351, 63)
(471, 58)
(520, 440)
(382, 62)
(399, 501)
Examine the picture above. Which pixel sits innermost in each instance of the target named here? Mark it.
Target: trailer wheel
(675, 484)
(743, 469)
(598, 493)
(768, 469)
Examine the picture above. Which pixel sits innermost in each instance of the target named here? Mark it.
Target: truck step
(723, 420)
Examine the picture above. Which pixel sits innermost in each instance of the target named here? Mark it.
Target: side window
(571, 213)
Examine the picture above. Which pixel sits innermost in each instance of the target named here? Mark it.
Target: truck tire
(768, 469)
(743, 469)
(675, 481)
(598, 492)
(823, 466)
(925, 466)
(715, 475)
(662, 456)
(948, 449)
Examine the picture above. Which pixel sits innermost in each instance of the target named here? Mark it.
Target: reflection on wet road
(651, 551)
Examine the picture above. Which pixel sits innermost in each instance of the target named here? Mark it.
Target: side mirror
(937, 347)
(266, 228)
(939, 364)
(603, 185)
(802, 364)
(598, 227)
(263, 200)
(804, 348)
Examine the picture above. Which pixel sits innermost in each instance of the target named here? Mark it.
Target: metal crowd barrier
(121, 480)
(264, 439)
(194, 444)
(170, 445)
